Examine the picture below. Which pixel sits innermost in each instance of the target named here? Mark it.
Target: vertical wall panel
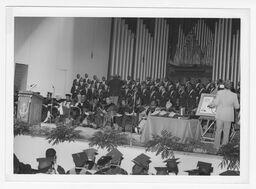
(166, 49)
(131, 54)
(229, 49)
(136, 47)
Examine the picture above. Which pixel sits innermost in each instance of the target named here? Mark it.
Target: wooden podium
(29, 107)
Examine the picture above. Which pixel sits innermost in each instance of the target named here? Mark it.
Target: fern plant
(164, 144)
(231, 155)
(62, 133)
(108, 139)
(20, 128)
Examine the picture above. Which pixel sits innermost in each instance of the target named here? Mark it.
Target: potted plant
(164, 144)
(62, 133)
(231, 154)
(108, 139)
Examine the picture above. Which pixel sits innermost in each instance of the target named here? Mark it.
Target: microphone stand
(52, 104)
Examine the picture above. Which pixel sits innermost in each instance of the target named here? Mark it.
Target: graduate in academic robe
(145, 96)
(191, 98)
(103, 165)
(77, 79)
(183, 97)
(163, 97)
(115, 163)
(141, 165)
(81, 164)
(22, 168)
(51, 153)
(75, 89)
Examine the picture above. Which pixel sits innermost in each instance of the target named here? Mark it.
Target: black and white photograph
(100, 92)
(119, 96)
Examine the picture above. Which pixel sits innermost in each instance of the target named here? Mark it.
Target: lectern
(29, 107)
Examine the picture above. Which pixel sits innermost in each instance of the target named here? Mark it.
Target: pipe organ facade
(139, 54)
(145, 51)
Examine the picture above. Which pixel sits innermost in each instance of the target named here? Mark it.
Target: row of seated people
(109, 164)
(90, 106)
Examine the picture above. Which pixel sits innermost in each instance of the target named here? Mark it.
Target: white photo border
(243, 13)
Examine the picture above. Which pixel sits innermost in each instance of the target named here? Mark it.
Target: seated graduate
(103, 165)
(75, 89)
(161, 171)
(45, 165)
(203, 168)
(64, 107)
(91, 154)
(81, 164)
(21, 168)
(141, 165)
(51, 153)
(172, 166)
(115, 163)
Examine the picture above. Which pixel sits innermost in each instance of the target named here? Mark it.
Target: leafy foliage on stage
(231, 154)
(108, 139)
(164, 144)
(20, 128)
(62, 133)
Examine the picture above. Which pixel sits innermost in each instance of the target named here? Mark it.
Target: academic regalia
(161, 171)
(191, 99)
(75, 91)
(115, 170)
(145, 97)
(80, 159)
(45, 165)
(141, 166)
(230, 173)
(172, 165)
(21, 168)
(163, 99)
(183, 99)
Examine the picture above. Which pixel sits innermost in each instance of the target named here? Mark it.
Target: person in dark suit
(77, 80)
(115, 86)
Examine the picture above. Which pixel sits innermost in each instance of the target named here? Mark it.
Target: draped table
(183, 128)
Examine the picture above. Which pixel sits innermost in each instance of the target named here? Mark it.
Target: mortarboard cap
(116, 155)
(193, 172)
(142, 160)
(230, 173)
(172, 162)
(104, 160)
(161, 170)
(44, 162)
(80, 159)
(91, 153)
(205, 167)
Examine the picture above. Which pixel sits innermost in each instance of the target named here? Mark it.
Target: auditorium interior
(141, 76)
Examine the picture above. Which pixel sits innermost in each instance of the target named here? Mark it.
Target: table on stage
(183, 128)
